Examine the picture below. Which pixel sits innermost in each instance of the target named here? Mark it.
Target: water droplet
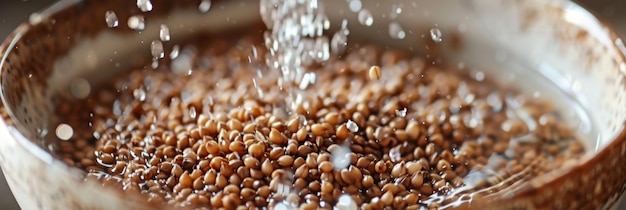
(401, 112)
(35, 18)
(155, 63)
(164, 33)
(281, 206)
(258, 89)
(436, 35)
(340, 158)
(394, 154)
(355, 5)
(479, 76)
(136, 22)
(339, 42)
(352, 126)
(396, 31)
(139, 94)
(365, 18)
(80, 88)
(192, 112)
(144, 5)
(156, 48)
(64, 132)
(111, 19)
(117, 107)
(397, 9)
(345, 202)
(308, 79)
(204, 6)
(175, 52)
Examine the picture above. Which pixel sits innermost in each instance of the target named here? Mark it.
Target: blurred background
(12, 12)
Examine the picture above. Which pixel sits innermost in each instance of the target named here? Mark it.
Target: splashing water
(294, 41)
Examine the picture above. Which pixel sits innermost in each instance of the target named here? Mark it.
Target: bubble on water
(111, 19)
(144, 5)
(64, 132)
(204, 6)
(401, 112)
(365, 18)
(436, 35)
(345, 202)
(175, 52)
(164, 33)
(136, 22)
(340, 158)
(156, 48)
(352, 126)
(339, 42)
(139, 94)
(355, 5)
(80, 88)
(396, 31)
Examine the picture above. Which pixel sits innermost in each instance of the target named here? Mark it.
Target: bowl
(554, 48)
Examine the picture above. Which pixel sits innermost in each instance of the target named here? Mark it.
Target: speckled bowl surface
(553, 39)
